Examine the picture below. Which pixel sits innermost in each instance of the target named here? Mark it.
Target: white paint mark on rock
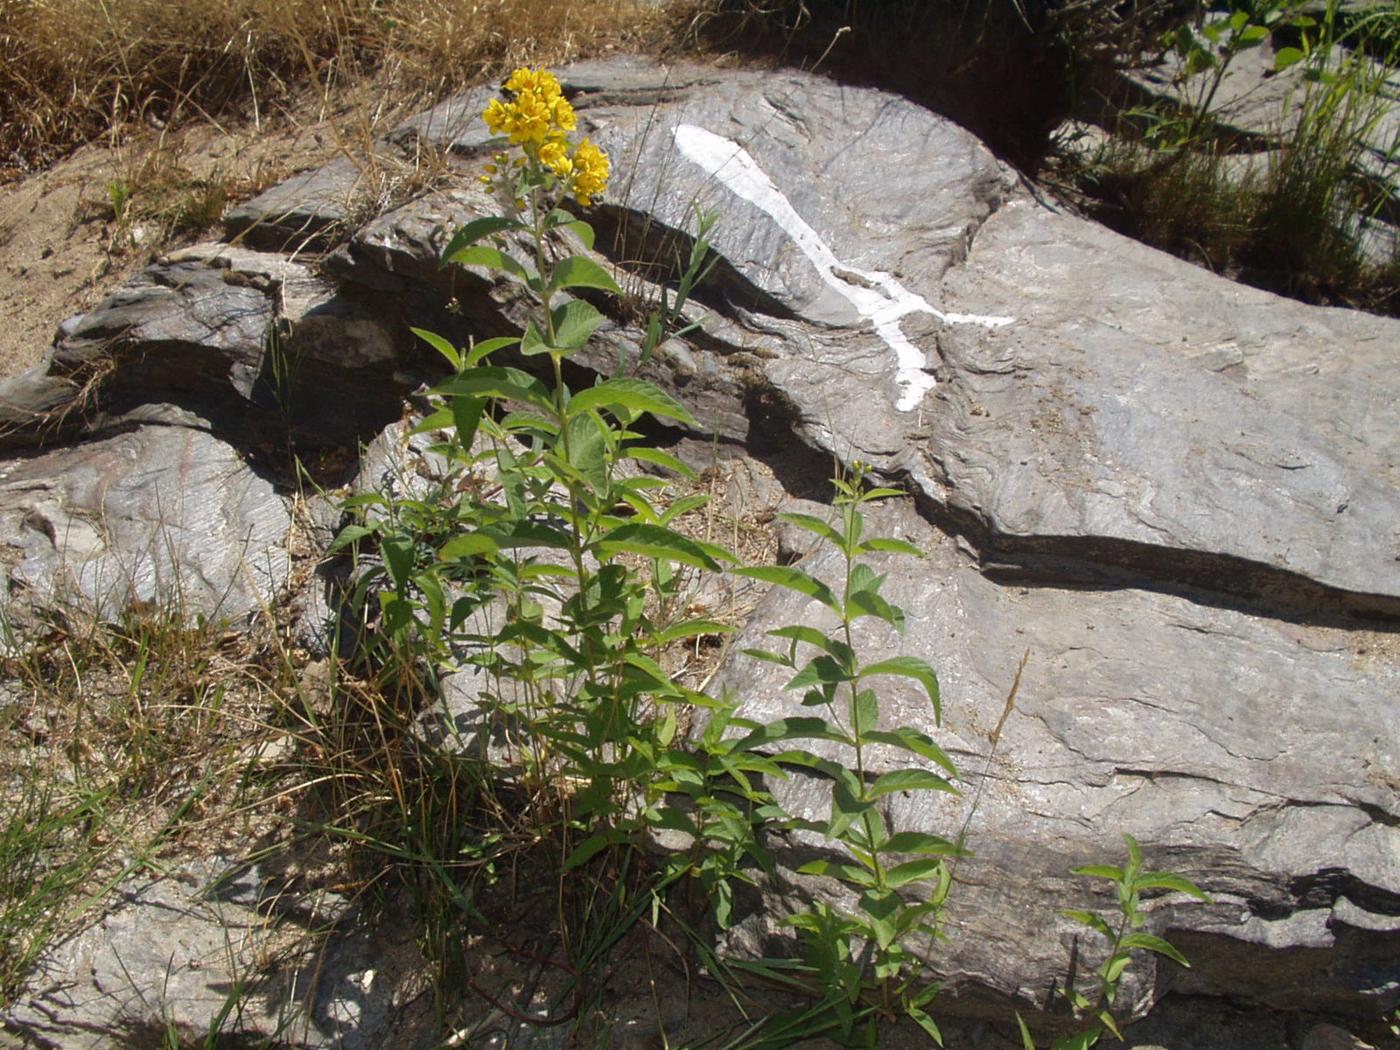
(876, 296)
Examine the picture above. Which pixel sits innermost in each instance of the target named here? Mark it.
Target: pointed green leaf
(822, 669)
(489, 258)
(491, 381)
(793, 580)
(816, 526)
(1099, 871)
(802, 633)
(912, 871)
(477, 229)
(480, 350)
(468, 545)
(586, 850)
(921, 844)
(656, 541)
(1089, 919)
(910, 667)
(398, 560)
(848, 873)
(466, 416)
(913, 741)
(783, 729)
(1150, 943)
(578, 271)
(909, 780)
(634, 395)
(1165, 880)
(869, 603)
(1027, 1043)
(888, 544)
(441, 345)
(574, 323)
(655, 456)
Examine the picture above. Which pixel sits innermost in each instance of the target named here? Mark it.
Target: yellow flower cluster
(538, 118)
(538, 112)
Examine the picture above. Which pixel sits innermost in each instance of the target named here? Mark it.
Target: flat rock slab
(163, 514)
(1150, 416)
(1258, 758)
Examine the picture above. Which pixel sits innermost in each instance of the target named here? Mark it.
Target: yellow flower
(538, 108)
(539, 81)
(497, 115)
(590, 172)
(554, 155)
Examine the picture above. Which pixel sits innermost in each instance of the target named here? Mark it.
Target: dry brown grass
(71, 70)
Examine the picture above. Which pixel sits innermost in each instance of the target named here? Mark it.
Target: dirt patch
(73, 233)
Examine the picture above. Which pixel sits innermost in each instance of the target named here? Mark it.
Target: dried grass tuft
(71, 70)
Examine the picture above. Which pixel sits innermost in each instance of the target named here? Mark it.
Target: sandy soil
(61, 252)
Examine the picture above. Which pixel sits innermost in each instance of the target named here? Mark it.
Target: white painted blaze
(876, 296)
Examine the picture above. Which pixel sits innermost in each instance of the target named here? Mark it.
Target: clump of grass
(71, 70)
(120, 741)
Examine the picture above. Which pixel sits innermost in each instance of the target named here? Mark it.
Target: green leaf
(865, 713)
(487, 346)
(1089, 919)
(913, 741)
(1027, 1043)
(910, 667)
(466, 416)
(924, 1021)
(869, 603)
(574, 323)
(1113, 967)
(783, 729)
(691, 629)
(490, 258)
(398, 560)
(468, 545)
(655, 456)
(1110, 1024)
(1165, 880)
(477, 229)
(1099, 871)
(802, 633)
(587, 447)
(439, 420)
(349, 535)
(634, 395)
(881, 910)
(909, 780)
(530, 534)
(912, 871)
(1150, 943)
(922, 844)
(586, 850)
(822, 669)
(491, 381)
(533, 342)
(1287, 56)
(888, 544)
(656, 541)
(579, 272)
(560, 219)
(441, 345)
(817, 526)
(848, 873)
(793, 580)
